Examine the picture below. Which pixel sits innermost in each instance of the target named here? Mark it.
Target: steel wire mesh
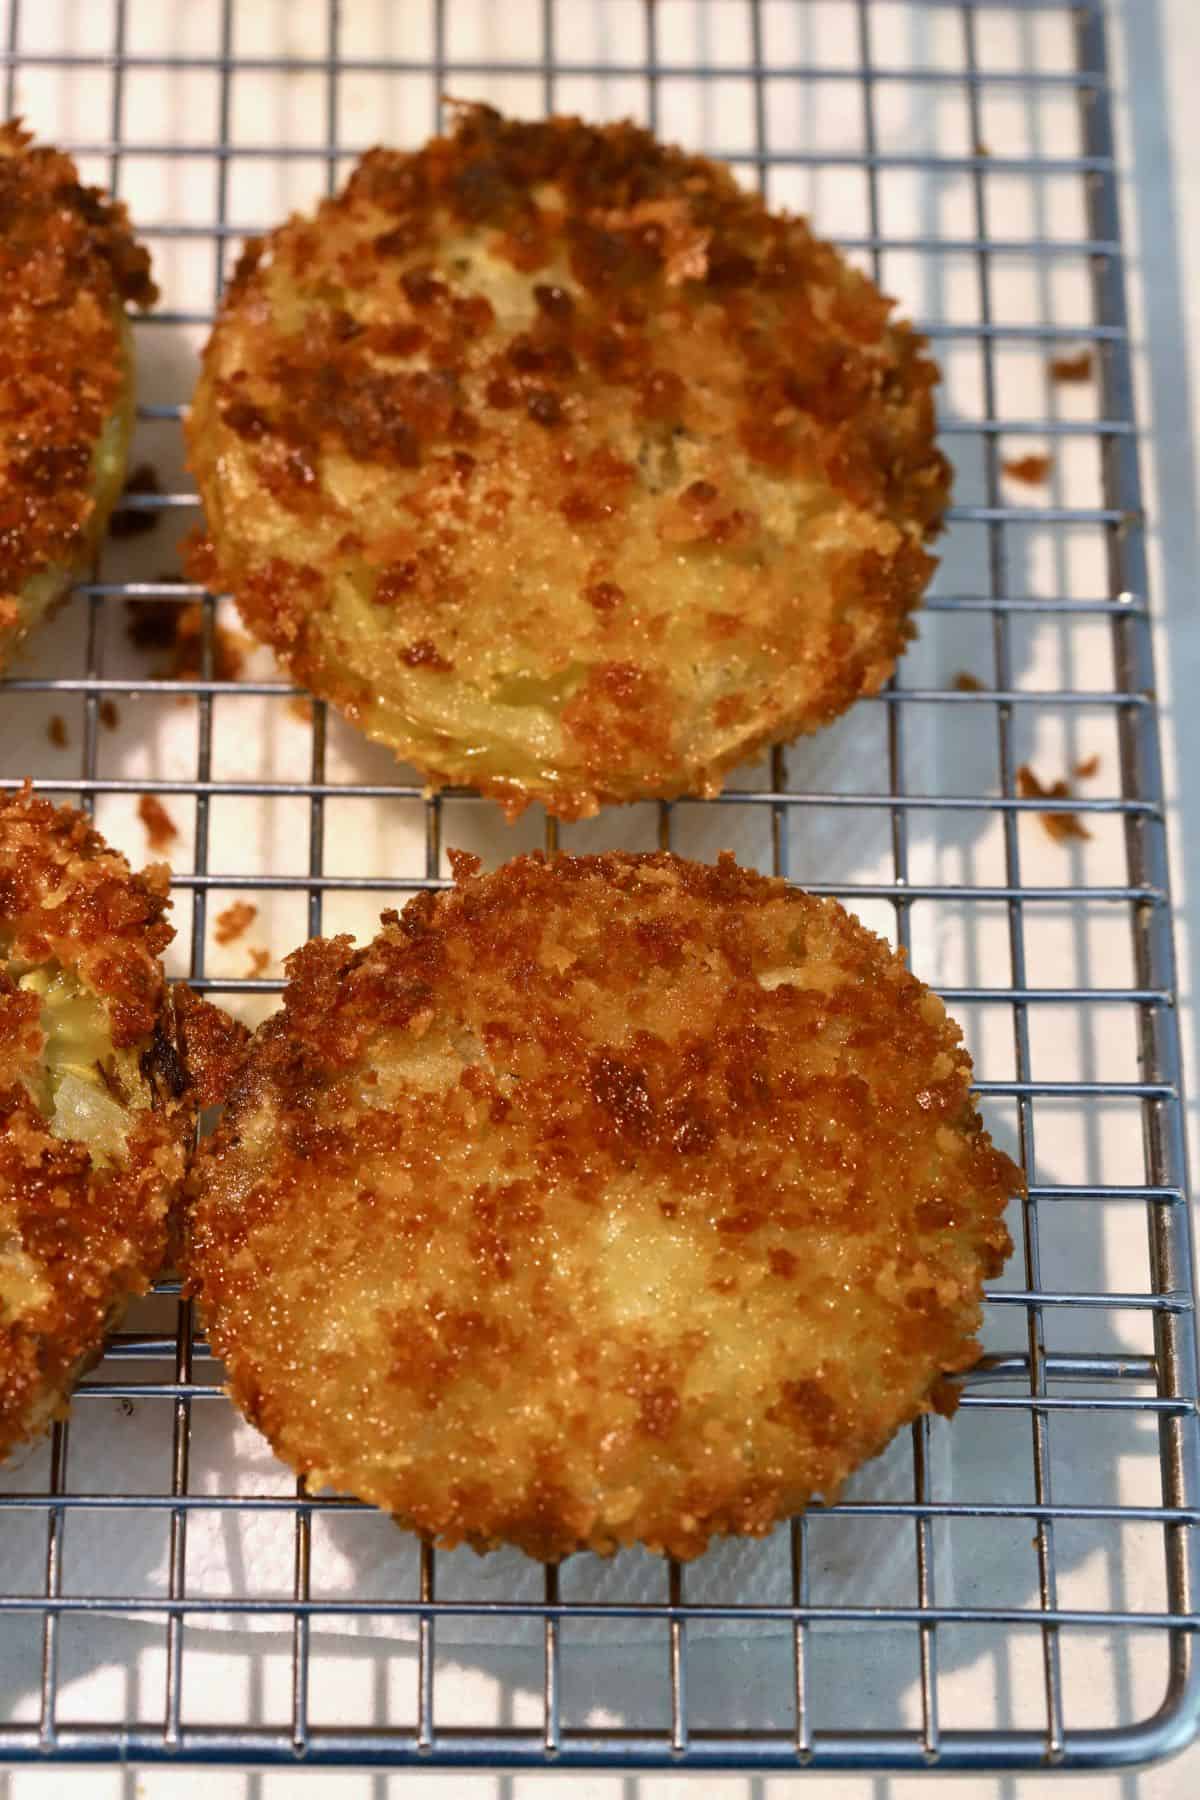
(1105, 1353)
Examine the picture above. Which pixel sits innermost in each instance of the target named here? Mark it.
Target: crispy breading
(95, 1110)
(68, 266)
(563, 467)
(602, 1199)
(211, 1044)
(1077, 367)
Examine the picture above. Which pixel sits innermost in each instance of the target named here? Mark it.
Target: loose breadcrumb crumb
(1061, 826)
(966, 683)
(1072, 368)
(161, 828)
(178, 627)
(1032, 470)
(110, 718)
(1087, 768)
(151, 624)
(56, 731)
(234, 920)
(259, 958)
(229, 648)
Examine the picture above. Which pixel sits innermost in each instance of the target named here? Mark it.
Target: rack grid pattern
(1051, 1378)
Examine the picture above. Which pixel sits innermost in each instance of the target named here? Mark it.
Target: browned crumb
(110, 718)
(160, 826)
(966, 683)
(178, 626)
(1061, 826)
(56, 731)
(1032, 469)
(234, 920)
(981, 149)
(152, 624)
(228, 648)
(1083, 771)
(132, 521)
(259, 958)
(1072, 368)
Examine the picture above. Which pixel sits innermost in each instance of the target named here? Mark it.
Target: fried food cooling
(563, 466)
(68, 267)
(95, 1110)
(602, 1199)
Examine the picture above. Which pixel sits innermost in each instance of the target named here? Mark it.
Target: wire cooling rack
(1037, 1586)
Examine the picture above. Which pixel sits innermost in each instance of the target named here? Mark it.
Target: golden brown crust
(68, 265)
(212, 1045)
(79, 1235)
(602, 1199)
(64, 895)
(563, 466)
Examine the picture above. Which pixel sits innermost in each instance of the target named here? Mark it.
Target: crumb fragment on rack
(56, 731)
(161, 828)
(1061, 826)
(1083, 771)
(152, 624)
(1077, 367)
(1032, 470)
(178, 627)
(229, 648)
(110, 718)
(966, 683)
(259, 958)
(236, 919)
(134, 521)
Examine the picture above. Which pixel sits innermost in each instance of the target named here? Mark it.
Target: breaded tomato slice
(563, 466)
(68, 267)
(95, 1107)
(603, 1199)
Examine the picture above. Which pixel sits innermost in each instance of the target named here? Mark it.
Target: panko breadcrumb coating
(95, 1108)
(563, 467)
(68, 266)
(602, 1199)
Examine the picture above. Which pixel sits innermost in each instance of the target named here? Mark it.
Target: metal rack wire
(1050, 1378)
